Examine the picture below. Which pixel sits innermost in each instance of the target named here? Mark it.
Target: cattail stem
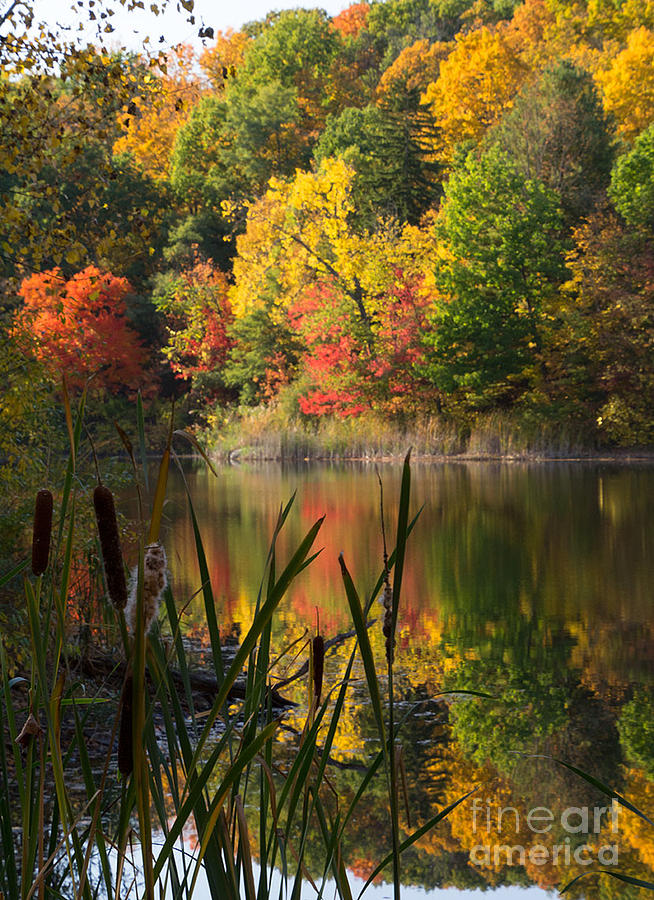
(125, 745)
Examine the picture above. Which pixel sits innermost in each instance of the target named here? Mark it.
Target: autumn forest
(415, 210)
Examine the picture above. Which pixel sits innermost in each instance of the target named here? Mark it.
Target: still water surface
(531, 582)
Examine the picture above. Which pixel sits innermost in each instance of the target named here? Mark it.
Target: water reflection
(529, 582)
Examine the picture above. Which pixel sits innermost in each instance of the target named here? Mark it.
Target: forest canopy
(414, 208)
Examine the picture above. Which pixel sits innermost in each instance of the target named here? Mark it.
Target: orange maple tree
(80, 329)
(352, 20)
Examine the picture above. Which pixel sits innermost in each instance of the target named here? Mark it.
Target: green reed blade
(96, 837)
(160, 489)
(259, 623)
(11, 722)
(70, 468)
(391, 563)
(366, 651)
(605, 789)
(191, 804)
(627, 879)
(229, 854)
(415, 837)
(205, 581)
(158, 763)
(191, 438)
(245, 850)
(141, 771)
(401, 538)
(8, 870)
(13, 573)
(334, 856)
(244, 758)
(140, 427)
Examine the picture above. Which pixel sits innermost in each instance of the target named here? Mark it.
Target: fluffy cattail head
(42, 531)
(114, 569)
(154, 583)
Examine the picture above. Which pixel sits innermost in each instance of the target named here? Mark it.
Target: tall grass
(174, 765)
(269, 432)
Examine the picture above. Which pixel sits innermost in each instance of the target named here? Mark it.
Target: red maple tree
(80, 329)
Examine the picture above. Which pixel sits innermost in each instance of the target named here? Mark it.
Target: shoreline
(623, 456)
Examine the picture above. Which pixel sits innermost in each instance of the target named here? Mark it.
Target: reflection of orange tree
(499, 822)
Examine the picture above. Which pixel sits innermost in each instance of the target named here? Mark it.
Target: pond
(528, 582)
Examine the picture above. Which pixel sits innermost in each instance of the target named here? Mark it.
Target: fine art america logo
(574, 821)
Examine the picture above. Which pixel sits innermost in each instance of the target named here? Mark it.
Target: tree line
(415, 207)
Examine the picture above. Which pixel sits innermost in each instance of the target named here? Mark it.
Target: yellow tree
(533, 35)
(615, 21)
(222, 61)
(156, 115)
(477, 82)
(299, 232)
(415, 68)
(628, 84)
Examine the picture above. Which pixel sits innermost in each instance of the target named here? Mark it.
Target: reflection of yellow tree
(638, 833)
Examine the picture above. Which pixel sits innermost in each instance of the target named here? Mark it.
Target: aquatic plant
(174, 764)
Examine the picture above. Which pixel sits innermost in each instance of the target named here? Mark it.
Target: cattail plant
(105, 514)
(154, 584)
(125, 745)
(42, 531)
(318, 661)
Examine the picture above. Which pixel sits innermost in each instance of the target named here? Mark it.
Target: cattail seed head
(42, 531)
(125, 745)
(154, 584)
(114, 569)
(318, 657)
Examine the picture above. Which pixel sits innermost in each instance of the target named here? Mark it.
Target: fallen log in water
(204, 684)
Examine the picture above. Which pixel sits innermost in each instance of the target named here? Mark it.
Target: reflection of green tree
(537, 712)
(531, 707)
(637, 729)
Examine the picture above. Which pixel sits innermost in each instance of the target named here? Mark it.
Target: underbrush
(270, 433)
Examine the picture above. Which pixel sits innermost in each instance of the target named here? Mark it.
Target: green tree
(229, 148)
(609, 317)
(264, 357)
(632, 182)
(394, 173)
(396, 24)
(500, 261)
(298, 50)
(557, 133)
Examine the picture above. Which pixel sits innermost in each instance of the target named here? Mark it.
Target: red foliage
(351, 372)
(399, 345)
(80, 328)
(198, 314)
(352, 20)
(332, 358)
